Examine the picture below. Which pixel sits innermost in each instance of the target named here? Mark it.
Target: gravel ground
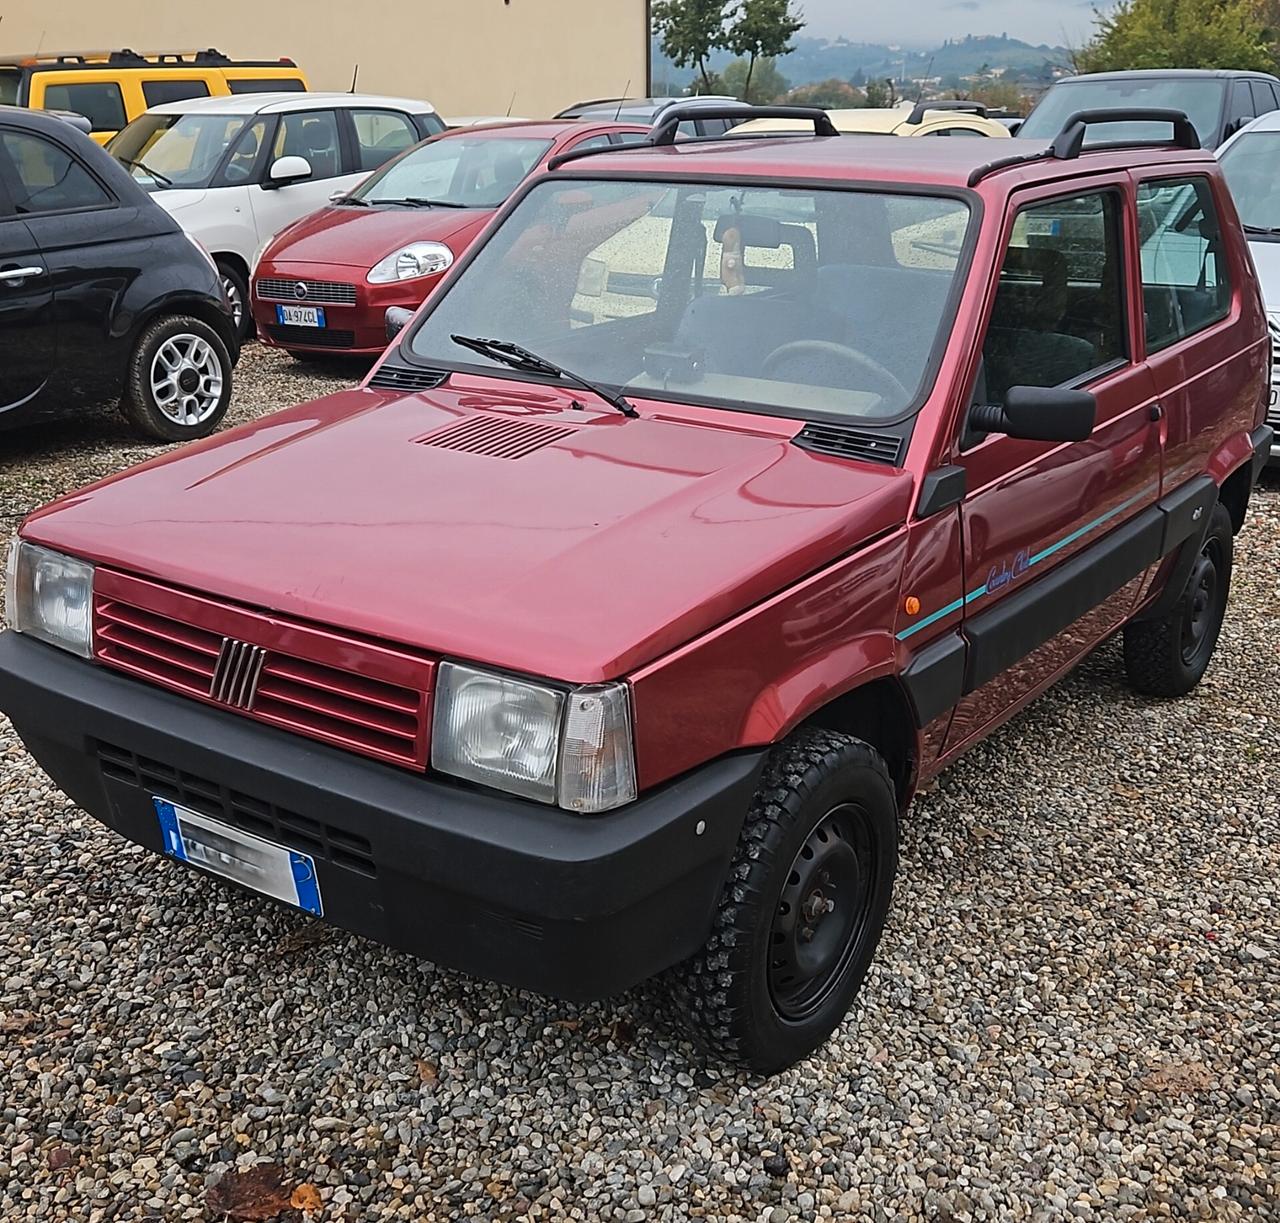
(1073, 1013)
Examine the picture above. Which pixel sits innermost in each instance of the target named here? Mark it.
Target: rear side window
(286, 84)
(44, 177)
(380, 135)
(9, 82)
(1059, 308)
(1185, 283)
(157, 93)
(1264, 99)
(99, 102)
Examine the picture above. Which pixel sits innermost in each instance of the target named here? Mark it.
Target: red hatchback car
(324, 284)
(727, 491)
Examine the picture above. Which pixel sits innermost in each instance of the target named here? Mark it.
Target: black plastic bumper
(577, 907)
(1265, 448)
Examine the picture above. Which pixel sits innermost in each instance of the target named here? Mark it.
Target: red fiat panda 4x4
(725, 492)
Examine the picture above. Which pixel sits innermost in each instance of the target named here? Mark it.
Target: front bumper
(356, 329)
(576, 907)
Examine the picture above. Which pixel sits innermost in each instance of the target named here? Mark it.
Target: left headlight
(409, 262)
(570, 747)
(49, 597)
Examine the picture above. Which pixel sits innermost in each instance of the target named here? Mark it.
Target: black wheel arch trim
(1261, 439)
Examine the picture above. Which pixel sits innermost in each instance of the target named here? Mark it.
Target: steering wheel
(853, 357)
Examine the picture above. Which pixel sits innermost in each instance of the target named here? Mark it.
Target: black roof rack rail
(1068, 144)
(667, 125)
(1070, 140)
(968, 108)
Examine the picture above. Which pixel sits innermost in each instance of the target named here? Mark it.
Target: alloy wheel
(186, 380)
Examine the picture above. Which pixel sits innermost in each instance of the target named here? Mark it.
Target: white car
(235, 171)
(1251, 165)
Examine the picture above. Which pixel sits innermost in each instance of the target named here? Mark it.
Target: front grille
(322, 841)
(266, 669)
(318, 292)
(397, 378)
(311, 337)
(846, 443)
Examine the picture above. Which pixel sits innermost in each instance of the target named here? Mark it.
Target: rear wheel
(803, 906)
(1168, 656)
(178, 384)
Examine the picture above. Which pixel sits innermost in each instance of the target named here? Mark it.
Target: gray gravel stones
(1073, 1015)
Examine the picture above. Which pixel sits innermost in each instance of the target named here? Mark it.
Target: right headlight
(572, 747)
(49, 597)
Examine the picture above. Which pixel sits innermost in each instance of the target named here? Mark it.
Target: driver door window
(1059, 308)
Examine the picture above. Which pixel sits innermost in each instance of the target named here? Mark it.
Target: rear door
(28, 332)
(1050, 565)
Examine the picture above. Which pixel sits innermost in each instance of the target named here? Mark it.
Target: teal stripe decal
(974, 595)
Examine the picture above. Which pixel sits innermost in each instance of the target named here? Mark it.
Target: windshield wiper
(507, 353)
(420, 199)
(1261, 229)
(146, 169)
(354, 200)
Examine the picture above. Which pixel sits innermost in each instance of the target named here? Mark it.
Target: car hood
(606, 543)
(359, 237)
(1266, 258)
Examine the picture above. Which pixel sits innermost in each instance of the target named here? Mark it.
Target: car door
(28, 331)
(311, 134)
(94, 248)
(1046, 525)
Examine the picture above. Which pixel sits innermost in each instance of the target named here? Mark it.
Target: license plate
(273, 870)
(300, 316)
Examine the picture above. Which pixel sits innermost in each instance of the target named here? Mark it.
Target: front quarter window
(1250, 168)
(830, 302)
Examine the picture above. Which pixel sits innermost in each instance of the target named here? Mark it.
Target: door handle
(15, 276)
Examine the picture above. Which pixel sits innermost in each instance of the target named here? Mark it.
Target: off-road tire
(727, 992)
(1160, 658)
(138, 402)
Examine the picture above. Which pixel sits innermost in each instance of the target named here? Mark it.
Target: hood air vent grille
(495, 436)
(846, 443)
(397, 378)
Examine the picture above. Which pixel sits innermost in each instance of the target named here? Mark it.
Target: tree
(690, 30)
(1180, 34)
(759, 84)
(835, 94)
(761, 30)
(881, 93)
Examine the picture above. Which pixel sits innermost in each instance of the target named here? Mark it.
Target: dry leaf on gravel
(250, 1195)
(306, 1197)
(1178, 1078)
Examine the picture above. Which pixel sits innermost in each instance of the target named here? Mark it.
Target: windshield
(9, 80)
(457, 172)
(805, 300)
(1201, 100)
(1250, 169)
(181, 150)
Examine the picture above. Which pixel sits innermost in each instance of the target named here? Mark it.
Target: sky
(925, 23)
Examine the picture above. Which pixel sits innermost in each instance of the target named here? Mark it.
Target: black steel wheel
(1169, 655)
(803, 906)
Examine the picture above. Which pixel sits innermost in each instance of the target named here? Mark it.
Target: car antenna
(512, 104)
(928, 72)
(622, 101)
(355, 76)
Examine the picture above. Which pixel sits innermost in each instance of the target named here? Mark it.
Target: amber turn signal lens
(912, 605)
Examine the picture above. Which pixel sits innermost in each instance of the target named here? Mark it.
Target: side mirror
(286, 170)
(1039, 414)
(397, 319)
(1015, 128)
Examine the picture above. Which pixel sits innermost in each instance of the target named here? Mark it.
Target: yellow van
(111, 87)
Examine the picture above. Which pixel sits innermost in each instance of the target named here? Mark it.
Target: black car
(1218, 103)
(102, 295)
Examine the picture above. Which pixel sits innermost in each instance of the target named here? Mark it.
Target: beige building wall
(465, 56)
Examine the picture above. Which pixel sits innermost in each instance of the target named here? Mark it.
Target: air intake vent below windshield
(397, 378)
(846, 443)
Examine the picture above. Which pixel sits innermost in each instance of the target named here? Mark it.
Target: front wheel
(1168, 656)
(802, 908)
(178, 384)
